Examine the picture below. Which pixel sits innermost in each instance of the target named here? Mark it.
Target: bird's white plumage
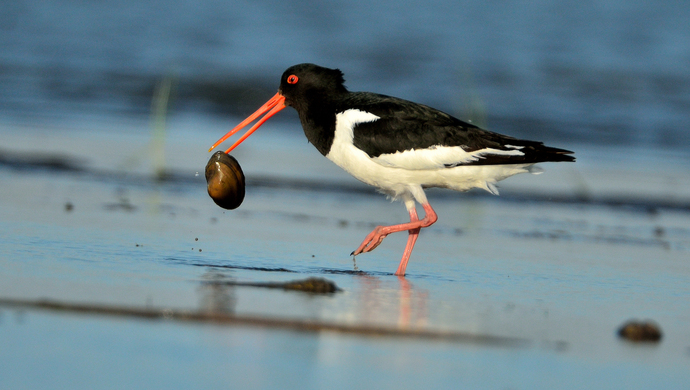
(439, 157)
(405, 173)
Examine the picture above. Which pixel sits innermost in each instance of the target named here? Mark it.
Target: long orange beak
(274, 104)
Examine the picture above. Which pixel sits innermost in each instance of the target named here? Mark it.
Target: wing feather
(414, 136)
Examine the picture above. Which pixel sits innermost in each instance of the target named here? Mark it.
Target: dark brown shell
(225, 181)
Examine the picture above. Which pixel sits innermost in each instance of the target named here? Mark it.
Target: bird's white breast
(345, 154)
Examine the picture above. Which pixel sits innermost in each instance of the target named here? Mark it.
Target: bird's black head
(309, 84)
(310, 89)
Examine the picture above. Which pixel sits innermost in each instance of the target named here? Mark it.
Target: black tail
(541, 153)
(532, 152)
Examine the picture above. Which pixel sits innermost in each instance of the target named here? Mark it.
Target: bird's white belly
(396, 181)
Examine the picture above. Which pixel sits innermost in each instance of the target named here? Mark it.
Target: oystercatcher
(398, 146)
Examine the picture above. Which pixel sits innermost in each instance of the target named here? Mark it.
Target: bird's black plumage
(320, 95)
(315, 98)
(405, 125)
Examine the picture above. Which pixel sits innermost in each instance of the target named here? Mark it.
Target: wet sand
(526, 290)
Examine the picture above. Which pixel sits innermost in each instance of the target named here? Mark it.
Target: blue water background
(611, 72)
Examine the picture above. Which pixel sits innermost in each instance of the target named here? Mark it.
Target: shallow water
(547, 266)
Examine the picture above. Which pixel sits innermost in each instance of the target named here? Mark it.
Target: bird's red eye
(292, 79)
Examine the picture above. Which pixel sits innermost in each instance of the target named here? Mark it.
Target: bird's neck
(319, 127)
(318, 122)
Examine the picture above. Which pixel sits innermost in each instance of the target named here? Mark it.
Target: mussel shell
(225, 181)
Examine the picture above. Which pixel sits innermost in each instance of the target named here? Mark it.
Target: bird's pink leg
(411, 239)
(374, 239)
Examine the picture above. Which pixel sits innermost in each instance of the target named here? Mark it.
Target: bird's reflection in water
(216, 295)
(413, 308)
(397, 303)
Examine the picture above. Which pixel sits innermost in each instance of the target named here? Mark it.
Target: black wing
(405, 126)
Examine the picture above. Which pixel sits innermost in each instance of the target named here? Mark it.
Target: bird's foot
(371, 241)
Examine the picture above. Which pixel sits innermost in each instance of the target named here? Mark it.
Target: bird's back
(406, 126)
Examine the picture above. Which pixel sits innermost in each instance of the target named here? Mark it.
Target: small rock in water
(225, 181)
(640, 331)
(314, 285)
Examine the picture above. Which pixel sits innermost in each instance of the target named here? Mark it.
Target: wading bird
(397, 146)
